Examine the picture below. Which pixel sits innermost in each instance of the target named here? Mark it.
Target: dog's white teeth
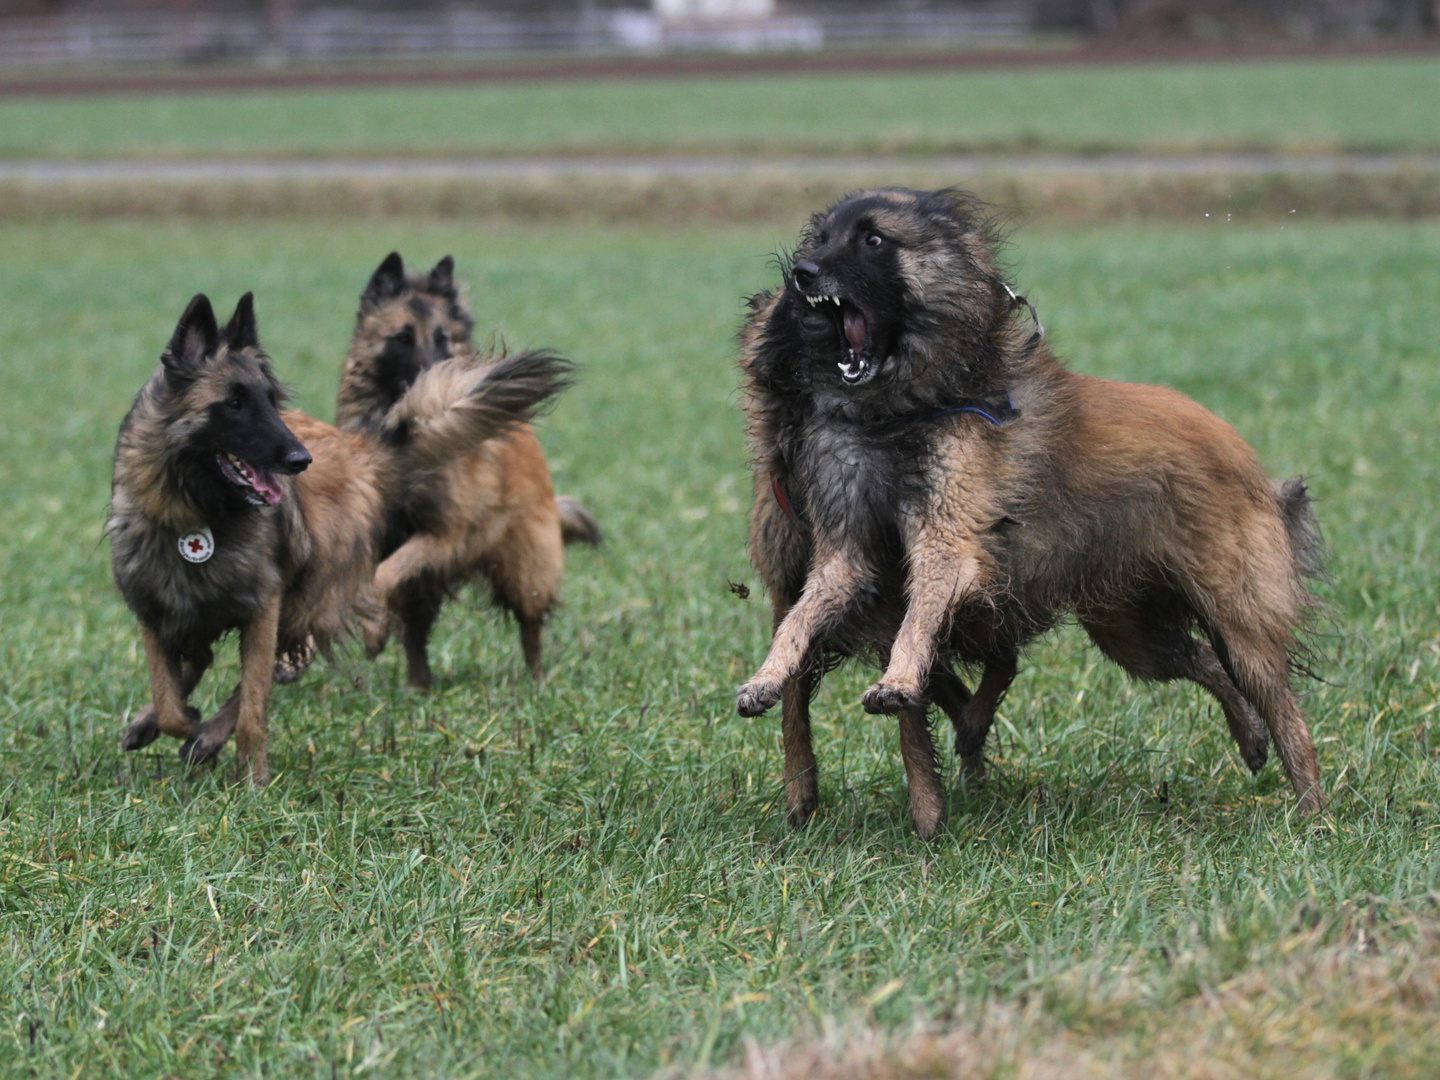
(836, 299)
(242, 467)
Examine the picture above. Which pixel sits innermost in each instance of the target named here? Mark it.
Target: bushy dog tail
(577, 525)
(1298, 513)
(457, 404)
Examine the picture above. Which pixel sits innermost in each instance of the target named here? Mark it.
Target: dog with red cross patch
(229, 512)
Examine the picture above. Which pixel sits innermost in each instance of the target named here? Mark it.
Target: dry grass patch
(1355, 999)
(766, 196)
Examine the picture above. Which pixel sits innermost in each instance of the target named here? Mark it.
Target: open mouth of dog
(261, 488)
(857, 362)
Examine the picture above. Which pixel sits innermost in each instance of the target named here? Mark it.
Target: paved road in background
(693, 166)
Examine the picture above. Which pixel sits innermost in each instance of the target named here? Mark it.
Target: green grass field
(595, 879)
(1326, 105)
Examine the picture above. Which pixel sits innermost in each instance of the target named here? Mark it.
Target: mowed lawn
(1375, 104)
(594, 879)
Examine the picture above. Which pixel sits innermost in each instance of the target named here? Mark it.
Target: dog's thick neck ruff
(892, 324)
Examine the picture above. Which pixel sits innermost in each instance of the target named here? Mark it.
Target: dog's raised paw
(375, 632)
(200, 750)
(883, 698)
(143, 730)
(756, 697)
(293, 663)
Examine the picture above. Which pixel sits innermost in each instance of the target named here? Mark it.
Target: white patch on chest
(198, 546)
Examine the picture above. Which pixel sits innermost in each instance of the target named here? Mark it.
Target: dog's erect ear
(196, 337)
(241, 331)
(442, 278)
(386, 283)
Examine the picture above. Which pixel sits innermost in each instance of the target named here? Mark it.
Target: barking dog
(228, 513)
(933, 488)
(491, 512)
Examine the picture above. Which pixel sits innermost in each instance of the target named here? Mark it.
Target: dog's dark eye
(442, 339)
(873, 239)
(235, 402)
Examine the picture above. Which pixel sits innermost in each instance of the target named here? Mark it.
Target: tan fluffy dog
(491, 514)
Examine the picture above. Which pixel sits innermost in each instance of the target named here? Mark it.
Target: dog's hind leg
(802, 780)
(419, 607)
(257, 669)
(971, 715)
(1246, 727)
(1160, 650)
(529, 563)
(1261, 669)
(172, 680)
(922, 773)
(531, 644)
(949, 691)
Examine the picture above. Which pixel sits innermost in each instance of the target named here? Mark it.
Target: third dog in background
(489, 514)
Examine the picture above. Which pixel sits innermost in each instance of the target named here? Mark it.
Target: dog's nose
(805, 273)
(297, 460)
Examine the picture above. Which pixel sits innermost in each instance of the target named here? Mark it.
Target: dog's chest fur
(191, 604)
(852, 485)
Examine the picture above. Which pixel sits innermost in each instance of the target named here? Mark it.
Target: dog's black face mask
(419, 343)
(421, 317)
(235, 444)
(847, 289)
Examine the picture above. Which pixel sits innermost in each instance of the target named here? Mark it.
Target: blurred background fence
(278, 31)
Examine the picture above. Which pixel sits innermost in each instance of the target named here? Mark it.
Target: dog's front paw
(202, 748)
(756, 696)
(885, 698)
(143, 730)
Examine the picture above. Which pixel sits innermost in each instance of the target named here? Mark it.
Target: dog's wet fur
(933, 489)
(489, 515)
(297, 510)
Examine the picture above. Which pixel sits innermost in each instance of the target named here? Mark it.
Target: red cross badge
(197, 546)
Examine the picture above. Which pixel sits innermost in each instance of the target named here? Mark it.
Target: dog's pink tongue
(268, 488)
(855, 328)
